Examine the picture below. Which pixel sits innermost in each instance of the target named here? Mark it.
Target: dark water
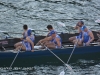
(37, 14)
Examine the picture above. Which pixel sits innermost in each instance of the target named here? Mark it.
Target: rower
(87, 36)
(28, 43)
(55, 42)
(25, 28)
(98, 34)
(78, 38)
(48, 37)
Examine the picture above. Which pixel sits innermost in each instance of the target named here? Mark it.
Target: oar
(72, 51)
(15, 57)
(60, 59)
(3, 48)
(5, 32)
(62, 73)
(64, 26)
(61, 24)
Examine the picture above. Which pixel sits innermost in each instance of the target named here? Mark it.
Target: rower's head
(80, 23)
(29, 32)
(49, 27)
(53, 33)
(84, 28)
(25, 27)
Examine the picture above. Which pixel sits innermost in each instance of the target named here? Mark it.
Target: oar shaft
(60, 60)
(57, 57)
(9, 32)
(3, 48)
(15, 57)
(72, 51)
(71, 54)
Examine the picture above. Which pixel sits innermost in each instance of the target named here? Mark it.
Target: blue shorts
(27, 46)
(77, 37)
(84, 43)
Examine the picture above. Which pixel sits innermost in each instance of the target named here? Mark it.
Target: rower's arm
(79, 30)
(91, 36)
(23, 35)
(82, 36)
(47, 38)
(77, 27)
(58, 42)
(48, 34)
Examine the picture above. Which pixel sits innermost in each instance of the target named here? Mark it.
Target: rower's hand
(88, 43)
(25, 40)
(98, 35)
(32, 50)
(40, 41)
(21, 38)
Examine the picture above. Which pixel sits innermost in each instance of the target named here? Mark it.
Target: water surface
(37, 14)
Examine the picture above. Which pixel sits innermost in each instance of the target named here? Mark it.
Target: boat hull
(29, 59)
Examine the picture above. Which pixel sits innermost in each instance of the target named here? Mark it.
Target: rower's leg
(17, 48)
(72, 38)
(50, 45)
(39, 43)
(23, 48)
(43, 44)
(46, 42)
(80, 43)
(75, 41)
(18, 44)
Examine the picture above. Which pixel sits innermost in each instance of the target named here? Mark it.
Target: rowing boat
(43, 56)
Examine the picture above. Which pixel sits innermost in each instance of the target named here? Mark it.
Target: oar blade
(60, 24)
(97, 21)
(62, 73)
(69, 67)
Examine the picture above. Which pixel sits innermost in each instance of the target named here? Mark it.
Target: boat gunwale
(43, 50)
